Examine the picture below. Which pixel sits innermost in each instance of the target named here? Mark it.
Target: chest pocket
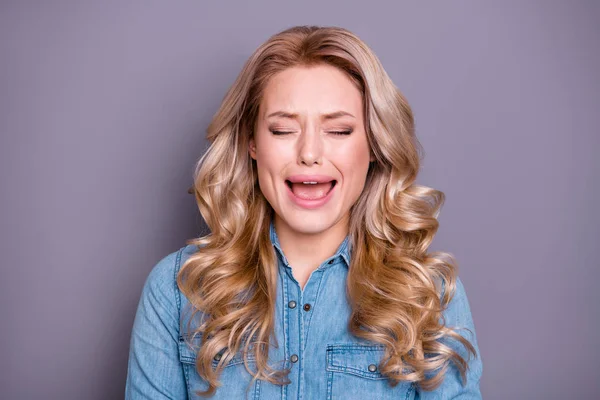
(235, 379)
(353, 373)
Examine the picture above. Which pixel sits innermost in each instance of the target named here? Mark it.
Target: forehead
(317, 89)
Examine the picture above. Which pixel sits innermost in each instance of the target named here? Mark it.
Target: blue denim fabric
(311, 330)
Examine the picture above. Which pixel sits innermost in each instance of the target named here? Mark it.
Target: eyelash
(340, 133)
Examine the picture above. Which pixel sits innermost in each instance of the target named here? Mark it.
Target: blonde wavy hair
(394, 284)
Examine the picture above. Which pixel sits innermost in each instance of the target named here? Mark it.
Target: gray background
(103, 110)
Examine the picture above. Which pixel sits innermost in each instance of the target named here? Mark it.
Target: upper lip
(310, 178)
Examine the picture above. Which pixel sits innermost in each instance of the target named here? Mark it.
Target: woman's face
(310, 128)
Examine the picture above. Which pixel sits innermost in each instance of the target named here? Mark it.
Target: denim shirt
(326, 361)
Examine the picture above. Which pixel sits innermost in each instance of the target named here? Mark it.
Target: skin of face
(311, 146)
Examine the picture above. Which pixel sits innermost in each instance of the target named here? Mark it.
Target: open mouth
(311, 190)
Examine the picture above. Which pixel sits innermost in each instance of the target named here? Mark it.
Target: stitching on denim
(284, 392)
(182, 344)
(257, 389)
(186, 353)
(410, 391)
(322, 273)
(339, 347)
(407, 391)
(187, 380)
(346, 350)
(177, 267)
(301, 340)
(285, 318)
(329, 385)
(373, 376)
(345, 251)
(176, 288)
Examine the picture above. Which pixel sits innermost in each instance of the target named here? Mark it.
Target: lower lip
(310, 204)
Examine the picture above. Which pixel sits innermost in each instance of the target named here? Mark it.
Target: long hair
(394, 284)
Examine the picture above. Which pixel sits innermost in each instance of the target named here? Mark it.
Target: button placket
(293, 297)
(308, 302)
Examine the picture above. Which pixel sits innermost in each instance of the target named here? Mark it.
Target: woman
(315, 281)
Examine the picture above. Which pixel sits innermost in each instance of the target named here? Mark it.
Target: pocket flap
(356, 359)
(188, 351)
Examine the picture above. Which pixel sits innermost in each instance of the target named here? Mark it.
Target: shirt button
(292, 304)
(294, 358)
(330, 262)
(372, 367)
(306, 307)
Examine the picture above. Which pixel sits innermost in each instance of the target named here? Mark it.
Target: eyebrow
(333, 115)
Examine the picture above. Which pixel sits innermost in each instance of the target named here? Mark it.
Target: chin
(308, 224)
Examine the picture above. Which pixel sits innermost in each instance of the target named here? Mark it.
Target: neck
(306, 251)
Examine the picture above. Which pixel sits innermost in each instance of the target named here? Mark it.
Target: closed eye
(274, 132)
(280, 132)
(341, 132)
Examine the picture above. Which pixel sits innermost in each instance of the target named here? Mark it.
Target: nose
(310, 148)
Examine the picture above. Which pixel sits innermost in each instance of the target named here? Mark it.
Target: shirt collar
(343, 251)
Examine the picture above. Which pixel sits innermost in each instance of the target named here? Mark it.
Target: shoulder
(161, 282)
(458, 309)
(168, 267)
(154, 368)
(457, 316)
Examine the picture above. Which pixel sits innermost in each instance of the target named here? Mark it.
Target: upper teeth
(310, 183)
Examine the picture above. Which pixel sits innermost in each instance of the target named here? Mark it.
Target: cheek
(354, 166)
(354, 155)
(270, 166)
(274, 157)
(269, 161)
(268, 148)
(355, 175)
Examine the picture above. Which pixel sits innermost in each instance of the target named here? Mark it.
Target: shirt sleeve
(154, 370)
(458, 314)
